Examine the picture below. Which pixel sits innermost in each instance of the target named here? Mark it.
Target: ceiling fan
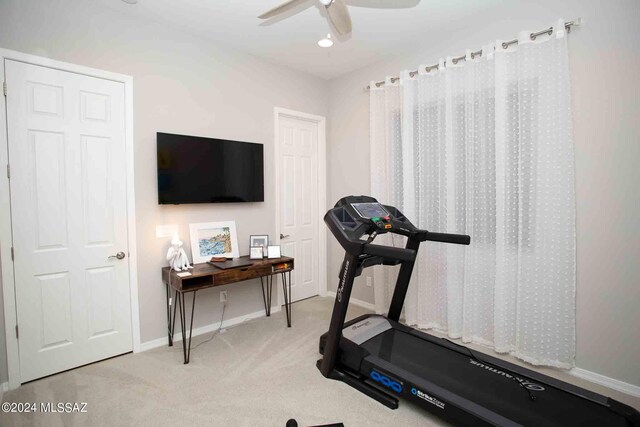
(337, 13)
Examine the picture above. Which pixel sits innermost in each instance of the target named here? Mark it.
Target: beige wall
(605, 70)
(182, 84)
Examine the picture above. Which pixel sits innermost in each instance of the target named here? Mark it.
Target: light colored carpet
(259, 373)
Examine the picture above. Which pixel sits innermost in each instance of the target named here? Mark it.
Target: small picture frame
(273, 252)
(256, 252)
(259, 240)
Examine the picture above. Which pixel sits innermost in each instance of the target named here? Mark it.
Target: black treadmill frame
(457, 409)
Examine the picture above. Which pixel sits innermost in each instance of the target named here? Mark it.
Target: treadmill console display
(370, 210)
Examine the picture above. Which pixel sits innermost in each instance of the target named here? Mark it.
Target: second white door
(298, 202)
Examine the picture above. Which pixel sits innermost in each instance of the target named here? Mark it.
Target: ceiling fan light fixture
(326, 42)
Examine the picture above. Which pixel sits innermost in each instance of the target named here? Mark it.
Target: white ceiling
(378, 30)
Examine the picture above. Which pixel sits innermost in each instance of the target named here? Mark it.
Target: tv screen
(194, 169)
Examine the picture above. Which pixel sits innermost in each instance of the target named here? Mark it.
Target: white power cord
(214, 332)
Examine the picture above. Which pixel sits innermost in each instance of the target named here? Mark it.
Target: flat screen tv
(194, 169)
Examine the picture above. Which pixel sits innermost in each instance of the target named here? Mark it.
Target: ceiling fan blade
(385, 4)
(339, 16)
(282, 8)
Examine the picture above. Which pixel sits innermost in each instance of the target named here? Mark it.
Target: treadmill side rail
(365, 329)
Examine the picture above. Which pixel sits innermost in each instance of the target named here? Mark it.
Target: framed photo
(273, 251)
(256, 252)
(259, 240)
(213, 239)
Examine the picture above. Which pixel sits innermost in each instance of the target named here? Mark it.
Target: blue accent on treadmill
(386, 381)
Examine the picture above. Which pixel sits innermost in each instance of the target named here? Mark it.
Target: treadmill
(387, 360)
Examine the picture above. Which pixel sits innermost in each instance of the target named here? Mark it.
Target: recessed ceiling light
(130, 1)
(326, 42)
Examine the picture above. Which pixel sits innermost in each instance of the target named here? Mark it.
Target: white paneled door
(298, 210)
(66, 135)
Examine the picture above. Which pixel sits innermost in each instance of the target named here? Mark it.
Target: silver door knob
(119, 255)
(283, 236)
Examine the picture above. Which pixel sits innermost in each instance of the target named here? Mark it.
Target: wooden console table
(205, 276)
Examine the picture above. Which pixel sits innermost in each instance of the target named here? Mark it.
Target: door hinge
(8, 171)
(4, 88)
(17, 335)
(12, 254)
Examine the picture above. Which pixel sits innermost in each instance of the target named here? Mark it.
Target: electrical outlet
(369, 281)
(224, 297)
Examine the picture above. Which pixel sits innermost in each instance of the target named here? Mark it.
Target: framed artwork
(213, 239)
(273, 251)
(256, 252)
(260, 240)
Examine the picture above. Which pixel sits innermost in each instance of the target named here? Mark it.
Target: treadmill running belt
(487, 385)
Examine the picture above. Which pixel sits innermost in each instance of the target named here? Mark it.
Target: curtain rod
(533, 36)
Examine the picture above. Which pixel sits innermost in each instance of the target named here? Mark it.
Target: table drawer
(242, 273)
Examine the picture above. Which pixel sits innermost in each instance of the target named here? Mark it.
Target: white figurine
(177, 257)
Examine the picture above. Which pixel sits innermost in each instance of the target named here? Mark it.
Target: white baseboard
(4, 387)
(354, 301)
(161, 342)
(621, 386)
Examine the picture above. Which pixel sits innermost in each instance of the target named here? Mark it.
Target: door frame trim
(6, 239)
(320, 121)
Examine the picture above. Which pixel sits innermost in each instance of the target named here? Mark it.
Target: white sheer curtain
(386, 172)
(484, 147)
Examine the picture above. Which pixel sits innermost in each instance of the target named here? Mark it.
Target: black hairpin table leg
(186, 344)
(169, 329)
(287, 296)
(173, 323)
(266, 294)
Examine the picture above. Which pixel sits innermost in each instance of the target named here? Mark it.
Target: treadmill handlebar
(390, 252)
(348, 225)
(458, 239)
